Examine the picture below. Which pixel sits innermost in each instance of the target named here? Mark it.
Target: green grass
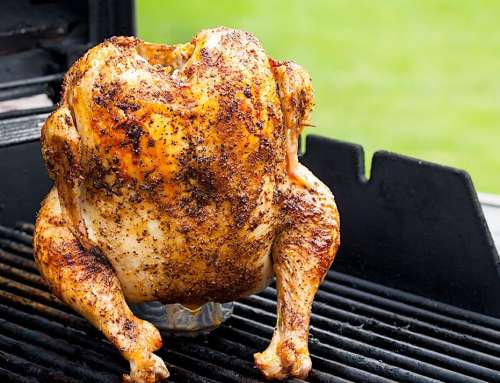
(416, 77)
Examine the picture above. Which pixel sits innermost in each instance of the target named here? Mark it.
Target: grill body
(360, 332)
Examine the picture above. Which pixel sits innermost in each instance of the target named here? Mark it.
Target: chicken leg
(305, 248)
(302, 255)
(85, 281)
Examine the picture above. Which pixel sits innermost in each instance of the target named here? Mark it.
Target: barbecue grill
(413, 297)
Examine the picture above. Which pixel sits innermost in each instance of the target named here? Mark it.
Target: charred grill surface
(361, 332)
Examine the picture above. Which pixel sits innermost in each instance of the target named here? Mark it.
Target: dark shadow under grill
(360, 332)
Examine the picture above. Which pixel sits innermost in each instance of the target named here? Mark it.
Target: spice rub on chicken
(176, 179)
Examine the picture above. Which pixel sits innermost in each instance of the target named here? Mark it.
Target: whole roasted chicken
(177, 180)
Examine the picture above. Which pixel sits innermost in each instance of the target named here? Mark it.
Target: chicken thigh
(177, 180)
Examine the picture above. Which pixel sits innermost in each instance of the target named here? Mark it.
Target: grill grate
(361, 332)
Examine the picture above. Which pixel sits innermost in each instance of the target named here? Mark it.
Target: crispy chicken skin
(176, 179)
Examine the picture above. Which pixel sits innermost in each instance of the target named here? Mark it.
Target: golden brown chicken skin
(176, 179)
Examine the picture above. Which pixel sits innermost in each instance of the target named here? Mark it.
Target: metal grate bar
(408, 321)
(44, 356)
(30, 370)
(25, 227)
(414, 300)
(8, 376)
(178, 374)
(417, 313)
(21, 248)
(62, 347)
(22, 275)
(18, 261)
(39, 295)
(31, 306)
(206, 369)
(218, 357)
(16, 235)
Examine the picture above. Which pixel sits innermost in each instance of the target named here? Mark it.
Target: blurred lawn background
(417, 77)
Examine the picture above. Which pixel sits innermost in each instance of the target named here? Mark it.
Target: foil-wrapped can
(181, 320)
